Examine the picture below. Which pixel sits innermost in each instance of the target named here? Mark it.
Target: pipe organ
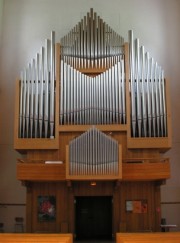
(91, 43)
(101, 106)
(37, 92)
(93, 100)
(101, 83)
(147, 87)
(94, 153)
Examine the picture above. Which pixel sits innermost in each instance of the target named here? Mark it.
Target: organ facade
(93, 118)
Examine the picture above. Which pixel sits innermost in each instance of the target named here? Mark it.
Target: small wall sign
(136, 206)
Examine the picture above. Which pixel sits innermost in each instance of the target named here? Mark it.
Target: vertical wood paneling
(138, 191)
(157, 205)
(42, 155)
(29, 210)
(121, 220)
(64, 209)
(65, 193)
(116, 209)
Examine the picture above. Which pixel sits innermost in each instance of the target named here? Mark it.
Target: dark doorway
(94, 218)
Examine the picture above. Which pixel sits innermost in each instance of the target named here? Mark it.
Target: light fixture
(93, 183)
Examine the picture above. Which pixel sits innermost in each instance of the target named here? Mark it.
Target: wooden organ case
(93, 110)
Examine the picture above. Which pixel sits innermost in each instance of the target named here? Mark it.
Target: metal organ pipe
(92, 44)
(95, 153)
(36, 96)
(27, 99)
(37, 90)
(91, 100)
(21, 104)
(24, 103)
(52, 80)
(41, 92)
(148, 104)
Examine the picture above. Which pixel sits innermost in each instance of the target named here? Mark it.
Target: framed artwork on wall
(46, 208)
(136, 206)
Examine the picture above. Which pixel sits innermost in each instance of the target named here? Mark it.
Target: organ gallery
(93, 123)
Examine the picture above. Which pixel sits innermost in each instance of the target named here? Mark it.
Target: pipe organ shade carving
(93, 153)
(98, 99)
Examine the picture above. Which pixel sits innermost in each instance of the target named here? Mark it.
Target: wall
(65, 207)
(1, 17)
(26, 24)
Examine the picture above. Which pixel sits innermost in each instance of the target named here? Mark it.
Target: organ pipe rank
(93, 99)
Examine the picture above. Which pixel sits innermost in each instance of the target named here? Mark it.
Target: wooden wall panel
(122, 220)
(40, 172)
(29, 209)
(104, 188)
(42, 155)
(117, 202)
(156, 217)
(146, 171)
(66, 191)
(143, 153)
(139, 191)
(41, 189)
(48, 189)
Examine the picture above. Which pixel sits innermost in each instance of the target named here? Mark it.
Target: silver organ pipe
(92, 99)
(148, 103)
(164, 114)
(93, 152)
(27, 99)
(52, 85)
(131, 60)
(37, 90)
(32, 98)
(41, 92)
(92, 44)
(21, 105)
(24, 103)
(36, 101)
(149, 106)
(46, 91)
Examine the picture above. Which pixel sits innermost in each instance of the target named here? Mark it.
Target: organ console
(97, 103)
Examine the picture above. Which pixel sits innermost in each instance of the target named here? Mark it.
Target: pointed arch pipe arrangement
(94, 153)
(87, 98)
